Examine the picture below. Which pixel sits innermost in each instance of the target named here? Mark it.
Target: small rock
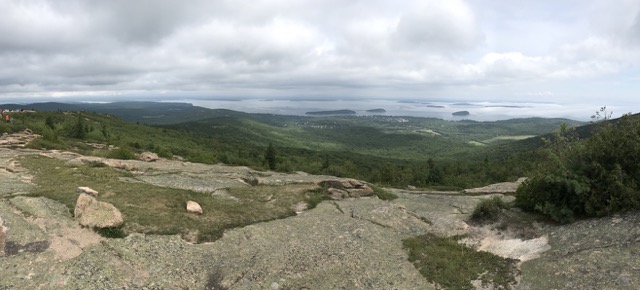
(300, 207)
(194, 207)
(149, 156)
(87, 190)
(411, 187)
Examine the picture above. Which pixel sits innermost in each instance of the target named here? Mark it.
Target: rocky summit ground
(354, 243)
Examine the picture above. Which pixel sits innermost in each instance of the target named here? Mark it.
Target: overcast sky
(539, 50)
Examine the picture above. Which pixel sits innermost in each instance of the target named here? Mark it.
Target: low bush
(122, 153)
(112, 233)
(489, 210)
(383, 194)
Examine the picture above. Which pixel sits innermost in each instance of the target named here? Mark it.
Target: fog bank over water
(479, 111)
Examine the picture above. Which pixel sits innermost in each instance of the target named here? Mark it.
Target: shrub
(122, 153)
(112, 233)
(383, 194)
(488, 210)
(593, 177)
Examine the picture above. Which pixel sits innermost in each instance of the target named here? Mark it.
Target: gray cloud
(440, 27)
(410, 48)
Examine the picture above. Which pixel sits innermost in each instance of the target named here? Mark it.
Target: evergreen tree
(270, 156)
(50, 123)
(78, 130)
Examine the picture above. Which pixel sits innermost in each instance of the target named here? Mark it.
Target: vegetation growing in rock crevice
(453, 266)
(593, 177)
(489, 210)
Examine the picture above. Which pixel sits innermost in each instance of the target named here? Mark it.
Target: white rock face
(87, 190)
(515, 248)
(194, 207)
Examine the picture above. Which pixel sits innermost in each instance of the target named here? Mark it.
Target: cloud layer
(311, 48)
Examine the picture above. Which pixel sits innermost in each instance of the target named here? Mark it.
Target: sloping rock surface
(593, 254)
(344, 244)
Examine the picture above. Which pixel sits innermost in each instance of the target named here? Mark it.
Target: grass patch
(453, 266)
(383, 194)
(316, 196)
(158, 210)
(489, 210)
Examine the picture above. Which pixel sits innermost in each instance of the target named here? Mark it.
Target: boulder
(337, 194)
(87, 190)
(361, 191)
(194, 207)
(338, 184)
(149, 156)
(93, 213)
(82, 203)
(340, 189)
(355, 183)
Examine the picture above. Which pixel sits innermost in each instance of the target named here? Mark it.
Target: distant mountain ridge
(145, 112)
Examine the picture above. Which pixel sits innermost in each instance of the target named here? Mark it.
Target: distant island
(334, 112)
(377, 111)
(435, 106)
(461, 113)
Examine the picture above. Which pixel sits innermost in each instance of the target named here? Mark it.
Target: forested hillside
(398, 151)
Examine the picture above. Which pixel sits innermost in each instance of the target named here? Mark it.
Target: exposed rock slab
(591, 254)
(17, 140)
(350, 244)
(14, 180)
(503, 187)
(66, 238)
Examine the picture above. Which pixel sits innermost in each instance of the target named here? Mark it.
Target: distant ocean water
(479, 111)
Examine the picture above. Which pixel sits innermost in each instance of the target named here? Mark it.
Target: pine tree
(270, 156)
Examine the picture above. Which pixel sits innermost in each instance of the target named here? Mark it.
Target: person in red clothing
(7, 119)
